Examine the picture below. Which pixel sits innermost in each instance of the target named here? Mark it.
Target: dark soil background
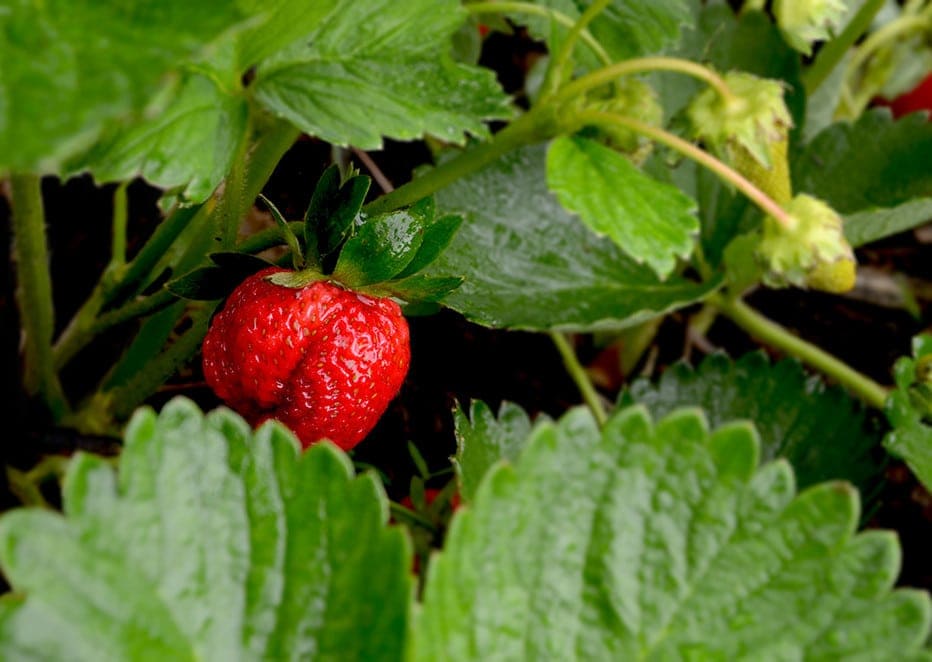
(453, 360)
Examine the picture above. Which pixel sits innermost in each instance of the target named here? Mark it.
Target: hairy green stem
(529, 128)
(644, 65)
(546, 12)
(832, 53)
(120, 219)
(578, 373)
(770, 332)
(687, 149)
(34, 292)
(559, 63)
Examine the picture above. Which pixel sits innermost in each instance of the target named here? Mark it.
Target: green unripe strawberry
(812, 253)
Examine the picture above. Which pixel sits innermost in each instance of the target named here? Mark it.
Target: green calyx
(751, 120)
(803, 22)
(382, 254)
(814, 253)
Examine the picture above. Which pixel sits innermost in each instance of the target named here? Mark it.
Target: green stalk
(559, 63)
(781, 338)
(126, 398)
(687, 149)
(120, 220)
(644, 65)
(529, 128)
(833, 52)
(578, 373)
(34, 292)
(540, 10)
(407, 515)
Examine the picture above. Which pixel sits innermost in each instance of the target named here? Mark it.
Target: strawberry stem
(579, 375)
(644, 65)
(34, 292)
(560, 63)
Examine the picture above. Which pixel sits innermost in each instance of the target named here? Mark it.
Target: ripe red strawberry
(323, 360)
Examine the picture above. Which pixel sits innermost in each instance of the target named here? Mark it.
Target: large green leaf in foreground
(530, 264)
(211, 544)
(822, 431)
(662, 542)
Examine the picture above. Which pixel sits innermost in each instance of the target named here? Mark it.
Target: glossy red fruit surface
(919, 98)
(323, 360)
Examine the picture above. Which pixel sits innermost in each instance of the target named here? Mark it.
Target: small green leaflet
(71, 68)
(212, 543)
(651, 221)
(381, 68)
(484, 439)
(529, 264)
(662, 541)
(909, 410)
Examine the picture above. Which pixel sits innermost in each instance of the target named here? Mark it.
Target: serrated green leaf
(381, 248)
(909, 410)
(190, 144)
(69, 69)
(822, 431)
(651, 221)
(874, 162)
(212, 544)
(484, 439)
(529, 264)
(661, 541)
(381, 68)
